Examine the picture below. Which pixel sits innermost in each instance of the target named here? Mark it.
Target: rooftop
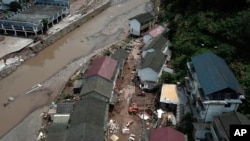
(143, 18)
(36, 13)
(158, 43)
(97, 84)
(103, 66)
(89, 110)
(154, 60)
(214, 74)
(224, 121)
(156, 30)
(166, 134)
(120, 55)
(63, 108)
(169, 94)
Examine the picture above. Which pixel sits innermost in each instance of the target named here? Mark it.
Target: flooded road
(102, 30)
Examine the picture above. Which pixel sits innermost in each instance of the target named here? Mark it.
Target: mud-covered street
(104, 29)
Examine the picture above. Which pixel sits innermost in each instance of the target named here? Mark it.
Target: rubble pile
(113, 126)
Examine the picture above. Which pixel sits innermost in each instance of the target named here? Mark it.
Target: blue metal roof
(214, 74)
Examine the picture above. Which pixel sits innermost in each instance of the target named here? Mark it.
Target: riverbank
(18, 54)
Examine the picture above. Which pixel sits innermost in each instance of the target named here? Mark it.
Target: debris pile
(113, 126)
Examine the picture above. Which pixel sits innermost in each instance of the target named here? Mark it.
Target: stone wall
(38, 46)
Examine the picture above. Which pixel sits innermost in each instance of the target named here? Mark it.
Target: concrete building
(141, 23)
(30, 20)
(212, 87)
(173, 100)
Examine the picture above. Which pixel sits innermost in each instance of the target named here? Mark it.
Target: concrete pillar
(5, 32)
(14, 30)
(24, 31)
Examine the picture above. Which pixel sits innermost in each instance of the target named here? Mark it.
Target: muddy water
(96, 33)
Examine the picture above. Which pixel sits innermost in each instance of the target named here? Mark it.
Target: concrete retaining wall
(37, 47)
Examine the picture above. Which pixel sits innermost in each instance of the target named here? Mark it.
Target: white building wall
(147, 38)
(134, 27)
(217, 109)
(147, 74)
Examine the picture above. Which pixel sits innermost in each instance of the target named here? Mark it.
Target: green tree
(14, 6)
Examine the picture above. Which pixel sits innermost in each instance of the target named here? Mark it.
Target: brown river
(102, 30)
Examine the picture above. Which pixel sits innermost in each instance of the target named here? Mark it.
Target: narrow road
(104, 29)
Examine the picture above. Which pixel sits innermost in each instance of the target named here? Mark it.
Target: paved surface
(13, 44)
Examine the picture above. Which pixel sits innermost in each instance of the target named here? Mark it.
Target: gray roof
(57, 136)
(158, 43)
(120, 55)
(97, 84)
(224, 121)
(64, 108)
(85, 132)
(89, 110)
(214, 74)
(57, 127)
(144, 17)
(154, 60)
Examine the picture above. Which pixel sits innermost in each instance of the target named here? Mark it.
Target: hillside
(220, 26)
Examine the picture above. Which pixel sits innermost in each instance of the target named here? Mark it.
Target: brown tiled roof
(166, 134)
(103, 66)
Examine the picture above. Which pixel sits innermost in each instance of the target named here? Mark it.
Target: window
(228, 105)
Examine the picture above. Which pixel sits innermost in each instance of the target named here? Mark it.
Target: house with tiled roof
(154, 32)
(212, 87)
(139, 24)
(166, 134)
(87, 122)
(99, 88)
(159, 43)
(150, 68)
(103, 66)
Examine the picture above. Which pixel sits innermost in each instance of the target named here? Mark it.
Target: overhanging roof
(169, 94)
(214, 74)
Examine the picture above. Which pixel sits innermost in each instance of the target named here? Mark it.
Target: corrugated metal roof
(214, 74)
(144, 17)
(103, 66)
(154, 60)
(166, 134)
(169, 94)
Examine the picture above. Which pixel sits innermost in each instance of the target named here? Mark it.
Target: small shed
(77, 86)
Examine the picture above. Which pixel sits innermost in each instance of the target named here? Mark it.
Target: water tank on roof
(8, 1)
